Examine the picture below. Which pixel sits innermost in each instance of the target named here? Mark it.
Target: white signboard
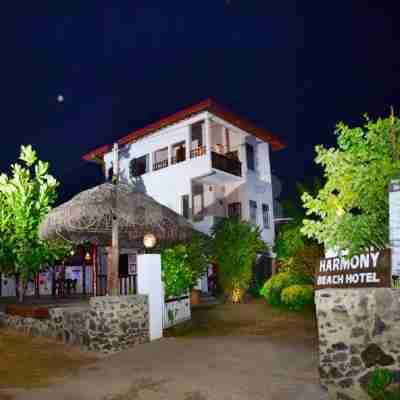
(394, 225)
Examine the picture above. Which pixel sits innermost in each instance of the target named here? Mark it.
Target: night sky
(295, 68)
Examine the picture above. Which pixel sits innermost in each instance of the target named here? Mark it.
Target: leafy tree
(290, 239)
(183, 265)
(25, 198)
(351, 211)
(235, 246)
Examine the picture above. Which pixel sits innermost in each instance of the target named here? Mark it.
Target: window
(196, 140)
(253, 211)
(198, 201)
(265, 214)
(197, 135)
(235, 210)
(185, 206)
(160, 159)
(139, 166)
(178, 153)
(250, 157)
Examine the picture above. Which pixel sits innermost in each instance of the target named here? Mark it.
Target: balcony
(160, 165)
(226, 164)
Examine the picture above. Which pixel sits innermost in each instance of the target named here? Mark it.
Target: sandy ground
(250, 358)
(214, 368)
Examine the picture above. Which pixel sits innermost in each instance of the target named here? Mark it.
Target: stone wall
(359, 330)
(108, 324)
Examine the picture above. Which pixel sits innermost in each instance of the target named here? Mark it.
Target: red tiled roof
(207, 105)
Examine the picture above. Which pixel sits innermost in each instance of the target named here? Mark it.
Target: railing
(176, 160)
(160, 165)
(198, 151)
(127, 285)
(226, 164)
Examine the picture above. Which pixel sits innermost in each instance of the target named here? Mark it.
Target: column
(149, 283)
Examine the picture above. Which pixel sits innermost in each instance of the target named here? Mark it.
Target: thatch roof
(88, 218)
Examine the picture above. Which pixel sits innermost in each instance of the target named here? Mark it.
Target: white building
(202, 162)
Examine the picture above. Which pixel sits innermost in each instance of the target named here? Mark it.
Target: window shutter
(133, 168)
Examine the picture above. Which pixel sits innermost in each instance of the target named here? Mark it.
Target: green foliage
(379, 383)
(296, 297)
(289, 241)
(25, 198)
(273, 287)
(183, 265)
(351, 210)
(304, 262)
(235, 246)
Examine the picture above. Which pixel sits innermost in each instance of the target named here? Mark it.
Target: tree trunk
(21, 290)
(16, 276)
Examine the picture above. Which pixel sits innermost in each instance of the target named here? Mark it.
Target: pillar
(149, 282)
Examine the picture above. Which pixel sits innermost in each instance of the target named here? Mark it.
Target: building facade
(204, 163)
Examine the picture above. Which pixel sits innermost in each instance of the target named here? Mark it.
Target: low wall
(176, 311)
(108, 324)
(359, 330)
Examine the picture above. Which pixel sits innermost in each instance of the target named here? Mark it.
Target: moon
(60, 98)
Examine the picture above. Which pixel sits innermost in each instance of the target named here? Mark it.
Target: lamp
(87, 257)
(149, 240)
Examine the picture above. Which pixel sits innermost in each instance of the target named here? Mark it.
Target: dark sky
(293, 67)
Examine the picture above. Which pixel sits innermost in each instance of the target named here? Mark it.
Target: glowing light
(60, 98)
(149, 240)
(87, 256)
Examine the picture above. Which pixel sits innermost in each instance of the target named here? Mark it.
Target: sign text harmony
(364, 270)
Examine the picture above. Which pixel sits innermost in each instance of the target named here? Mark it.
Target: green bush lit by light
(296, 297)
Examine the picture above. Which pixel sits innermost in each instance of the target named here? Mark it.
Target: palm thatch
(88, 218)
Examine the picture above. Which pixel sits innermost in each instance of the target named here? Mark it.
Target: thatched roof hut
(88, 217)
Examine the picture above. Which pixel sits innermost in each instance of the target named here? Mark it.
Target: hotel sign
(370, 269)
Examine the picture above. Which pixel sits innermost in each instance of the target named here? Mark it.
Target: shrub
(273, 287)
(379, 383)
(304, 262)
(235, 245)
(296, 297)
(182, 265)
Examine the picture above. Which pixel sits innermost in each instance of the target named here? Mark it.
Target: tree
(182, 265)
(351, 211)
(25, 198)
(290, 240)
(235, 245)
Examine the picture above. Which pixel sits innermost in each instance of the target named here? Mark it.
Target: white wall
(179, 310)
(149, 282)
(167, 185)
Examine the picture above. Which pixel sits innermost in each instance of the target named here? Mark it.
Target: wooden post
(112, 273)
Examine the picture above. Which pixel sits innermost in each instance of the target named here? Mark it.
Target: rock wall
(359, 330)
(108, 324)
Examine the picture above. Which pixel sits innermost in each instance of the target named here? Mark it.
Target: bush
(304, 262)
(182, 265)
(296, 297)
(273, 287)
(379, 383)
(235, 245)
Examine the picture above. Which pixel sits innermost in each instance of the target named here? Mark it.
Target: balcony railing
(176, 160)
(226, 164)
(160, 165)
(198, 151)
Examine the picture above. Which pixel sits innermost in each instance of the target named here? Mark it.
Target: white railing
(176, 310)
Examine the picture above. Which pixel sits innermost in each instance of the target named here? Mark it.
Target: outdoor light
(87, 256)
(149, 240)
(72, 252)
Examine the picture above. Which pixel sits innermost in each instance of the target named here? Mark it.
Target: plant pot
(195, 297)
